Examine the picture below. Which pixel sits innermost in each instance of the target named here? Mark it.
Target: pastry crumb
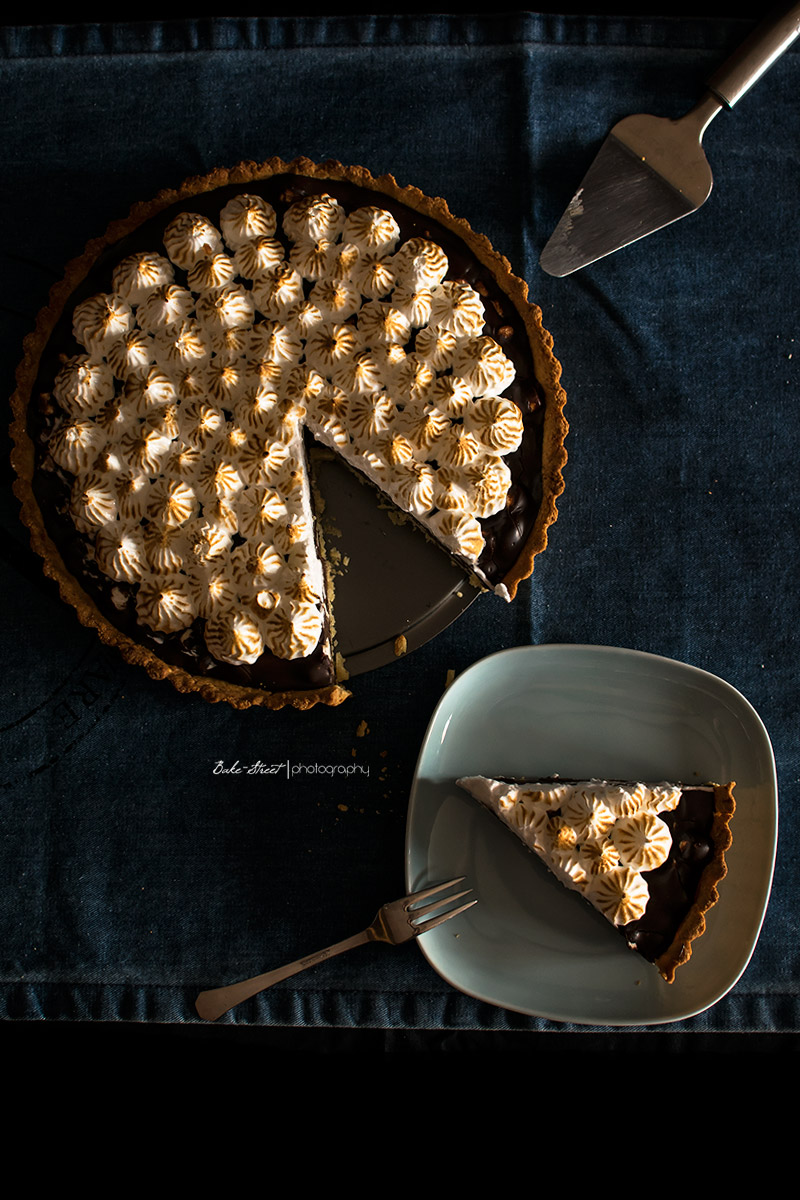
(449, 679)
(400, 646)
(341, 670)
(363, 729)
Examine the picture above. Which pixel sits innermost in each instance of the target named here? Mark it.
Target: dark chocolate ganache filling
(673, 886)
(505, 534)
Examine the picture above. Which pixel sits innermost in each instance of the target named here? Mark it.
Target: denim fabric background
(132, 874)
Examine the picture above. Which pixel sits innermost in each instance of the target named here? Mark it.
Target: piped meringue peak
(184, 404)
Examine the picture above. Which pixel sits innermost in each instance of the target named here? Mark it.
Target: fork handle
(213, 1003)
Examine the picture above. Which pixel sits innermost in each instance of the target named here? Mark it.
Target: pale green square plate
(582, 712)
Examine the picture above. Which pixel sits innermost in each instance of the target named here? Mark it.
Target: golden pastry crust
(547, 369)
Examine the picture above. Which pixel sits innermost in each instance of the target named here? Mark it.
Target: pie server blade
(651, 171)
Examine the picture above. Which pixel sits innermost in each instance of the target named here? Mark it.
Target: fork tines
(415, 913)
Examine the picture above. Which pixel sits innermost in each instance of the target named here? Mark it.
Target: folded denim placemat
(135, 870)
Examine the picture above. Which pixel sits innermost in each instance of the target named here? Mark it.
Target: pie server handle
(766, 43)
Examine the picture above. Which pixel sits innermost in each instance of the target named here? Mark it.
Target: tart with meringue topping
(648, 857)
(167, 396)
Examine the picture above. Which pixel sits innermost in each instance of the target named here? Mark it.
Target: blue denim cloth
(133, 875)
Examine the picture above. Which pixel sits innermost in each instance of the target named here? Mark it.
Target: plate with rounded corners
(529, 945)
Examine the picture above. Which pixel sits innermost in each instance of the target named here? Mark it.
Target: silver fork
(395, 923)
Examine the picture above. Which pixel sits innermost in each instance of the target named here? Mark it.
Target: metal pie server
(651, 171)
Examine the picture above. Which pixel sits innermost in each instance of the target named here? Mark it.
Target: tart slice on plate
(175, 380)
(648, 857)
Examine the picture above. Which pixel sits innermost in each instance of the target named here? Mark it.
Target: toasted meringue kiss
(314, 218)
(483, 365)
(457, 308)
(246, 218)
(496, 423)
(131, 353)
(99, 320)
(421, 263)
(336, 299)
(277, 290)
(137, 275)
(369, 414)
(119, 551)
(293, 630)
(227, 307)
(75, 444)
(83, 385)
(258, 256)
(372, 228)
(460, 531)
(93, 502)
(173, 502)
(165, 604)
(165, 307)
(233, 637)
(212, 270)
(188, 237)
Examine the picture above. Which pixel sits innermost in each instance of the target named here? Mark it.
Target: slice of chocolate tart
(648, 856)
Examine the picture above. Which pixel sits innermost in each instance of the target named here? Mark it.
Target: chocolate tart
(648, 857)
(167, 396)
